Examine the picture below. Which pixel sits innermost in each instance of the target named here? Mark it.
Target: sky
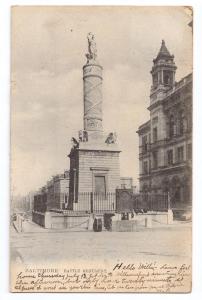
(48, 47)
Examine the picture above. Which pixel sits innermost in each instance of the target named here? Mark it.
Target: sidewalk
(31, 227)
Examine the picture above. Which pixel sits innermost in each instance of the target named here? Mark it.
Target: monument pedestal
(94, 167)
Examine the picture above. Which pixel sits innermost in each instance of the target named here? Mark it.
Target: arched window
(166, 79)
(155, 80)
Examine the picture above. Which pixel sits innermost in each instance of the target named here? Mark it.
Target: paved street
(172, 242)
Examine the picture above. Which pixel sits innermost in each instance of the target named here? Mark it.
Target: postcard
(101, 149)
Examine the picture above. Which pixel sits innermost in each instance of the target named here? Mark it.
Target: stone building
(94, 157)
(54, 195)
(23, 203)
(57, 191)
(61, 190)
(165, 141)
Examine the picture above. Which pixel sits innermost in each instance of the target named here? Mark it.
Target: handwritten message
(120, 277)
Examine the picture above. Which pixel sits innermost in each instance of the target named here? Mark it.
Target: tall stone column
(92, 89)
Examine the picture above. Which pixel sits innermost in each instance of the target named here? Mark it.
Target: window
(155, 80)
(189, 122)
(171, 127)
(155, 120)
(181, 123)
(145, 167)
(155, 160)
(144, 144)
(170, 157)
(100, 184)
(189, 151)
(180, 154)
(155, 134)
(167, 77)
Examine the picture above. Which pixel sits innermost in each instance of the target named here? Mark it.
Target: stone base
(148, 220)
(55, 220)
(124, 225)
(88, 162)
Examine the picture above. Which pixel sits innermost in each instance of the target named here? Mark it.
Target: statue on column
(75, 143)
(83, 136)
(92, 49)
(111, 138)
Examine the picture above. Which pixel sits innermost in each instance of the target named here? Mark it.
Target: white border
(4, 148)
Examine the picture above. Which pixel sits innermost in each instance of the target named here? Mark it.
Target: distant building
(40, 200)
(22, 203)
(54, 195)
(61, 190)
(165, 141)
(126, 182)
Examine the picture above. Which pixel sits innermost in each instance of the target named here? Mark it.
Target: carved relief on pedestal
(93, 124)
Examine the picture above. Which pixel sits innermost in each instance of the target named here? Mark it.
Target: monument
(94, 157)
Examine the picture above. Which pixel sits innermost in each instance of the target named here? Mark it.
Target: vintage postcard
(101, 149)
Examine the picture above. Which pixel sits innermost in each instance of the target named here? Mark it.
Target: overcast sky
(48, 53)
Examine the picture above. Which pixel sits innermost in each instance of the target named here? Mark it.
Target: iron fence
(151, 202)
(95, 202)
(124, 201)
(107, 202)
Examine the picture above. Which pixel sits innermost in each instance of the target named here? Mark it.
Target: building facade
(165, 141)
(54, 195)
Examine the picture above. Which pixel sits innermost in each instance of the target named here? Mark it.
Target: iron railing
(92, 202)
(95, 202)
(151, 202)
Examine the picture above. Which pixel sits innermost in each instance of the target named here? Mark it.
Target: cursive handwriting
(120, 277)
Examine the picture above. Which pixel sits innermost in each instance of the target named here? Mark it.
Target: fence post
(168, 197)
(170, 212)
(91, 202)
(151, 202)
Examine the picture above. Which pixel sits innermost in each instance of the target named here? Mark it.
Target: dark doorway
(100, 184)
